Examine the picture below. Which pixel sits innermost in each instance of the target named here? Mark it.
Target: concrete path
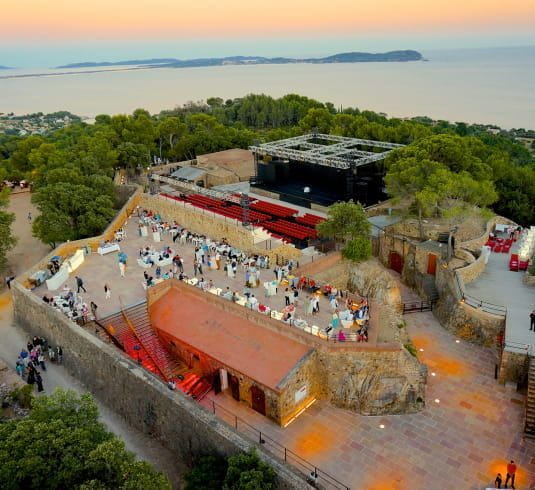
(498, 285)
(12, 340)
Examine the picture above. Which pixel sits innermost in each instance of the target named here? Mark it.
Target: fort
(245, 374)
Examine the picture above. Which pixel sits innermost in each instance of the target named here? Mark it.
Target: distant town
(36, 123)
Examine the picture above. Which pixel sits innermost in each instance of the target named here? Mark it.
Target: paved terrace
(498, 285)
(99, 270)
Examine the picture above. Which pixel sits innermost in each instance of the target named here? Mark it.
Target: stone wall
(472, 271)
(178, 422)
(476, 243)
(513, 367)
(69, 248)
(465, 321)
(213, 225)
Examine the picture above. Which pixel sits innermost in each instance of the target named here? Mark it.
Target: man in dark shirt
(532, 320)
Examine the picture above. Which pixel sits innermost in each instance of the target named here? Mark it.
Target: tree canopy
(440, 173)
(347, 223)
(486, 166)
(62, 444)
(243, 471)
(7, 240)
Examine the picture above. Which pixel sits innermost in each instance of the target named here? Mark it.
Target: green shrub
(23, 396)
(209, 473)
(358, 250)
(411, 349)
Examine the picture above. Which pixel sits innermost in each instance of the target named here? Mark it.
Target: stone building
(271, 373)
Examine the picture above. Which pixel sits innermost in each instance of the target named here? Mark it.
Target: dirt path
(12, 339)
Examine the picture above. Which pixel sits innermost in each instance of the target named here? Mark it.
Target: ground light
(300, 412)
(421, 350)
(437, 400)
(382, 426)
(458, 341)
(433, 374)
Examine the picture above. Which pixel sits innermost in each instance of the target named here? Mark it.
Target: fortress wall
(176, 421)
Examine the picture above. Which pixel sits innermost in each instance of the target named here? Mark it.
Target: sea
(488, 86)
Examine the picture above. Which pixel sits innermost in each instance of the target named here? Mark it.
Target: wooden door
(234, 387)
(258, 400)
(432, 264)
(396, 262)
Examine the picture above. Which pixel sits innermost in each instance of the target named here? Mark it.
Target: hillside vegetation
(72, 168)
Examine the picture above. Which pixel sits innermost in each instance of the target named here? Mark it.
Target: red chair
(523, 265)
(498, 248)
(506, 248)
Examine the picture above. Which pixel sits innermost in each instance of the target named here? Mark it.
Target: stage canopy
(327, 149)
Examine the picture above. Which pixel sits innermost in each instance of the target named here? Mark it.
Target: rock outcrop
(371, 279)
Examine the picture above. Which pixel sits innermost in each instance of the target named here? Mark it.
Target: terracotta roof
(259, 353)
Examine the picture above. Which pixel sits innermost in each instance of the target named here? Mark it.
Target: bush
(208, 473)
(23, 396)
(244, 471)
(411, 349)
(358, 250)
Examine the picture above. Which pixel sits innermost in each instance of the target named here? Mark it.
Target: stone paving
(460, 442)
(99, 270)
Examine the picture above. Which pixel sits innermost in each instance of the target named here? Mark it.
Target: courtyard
(471, 426)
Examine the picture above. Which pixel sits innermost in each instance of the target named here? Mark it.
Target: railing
(416, 306)
(315, 476)
(478, 303)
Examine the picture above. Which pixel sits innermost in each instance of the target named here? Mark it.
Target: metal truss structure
(333, 151)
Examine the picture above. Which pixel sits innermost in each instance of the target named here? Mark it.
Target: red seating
(273, 209)
(523, 265)
(205, 200)
(289, 229)
(236, 212)
(309, 219)
(498, 248)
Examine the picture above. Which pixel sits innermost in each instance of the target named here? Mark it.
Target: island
(350, 57)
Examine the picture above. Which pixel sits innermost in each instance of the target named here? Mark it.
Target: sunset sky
(57, 31)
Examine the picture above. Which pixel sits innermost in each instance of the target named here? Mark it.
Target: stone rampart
(69, 248)
(472, 271)
(178, 422)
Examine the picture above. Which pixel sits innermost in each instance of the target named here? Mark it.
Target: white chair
(308, 329)
(193, 281)
(314, 330)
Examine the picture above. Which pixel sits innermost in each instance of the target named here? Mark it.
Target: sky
(52, 32)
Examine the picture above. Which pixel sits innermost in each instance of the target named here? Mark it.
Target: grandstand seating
(309, 220)
(273, 209)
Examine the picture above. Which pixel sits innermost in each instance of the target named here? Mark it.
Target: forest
(72, 168)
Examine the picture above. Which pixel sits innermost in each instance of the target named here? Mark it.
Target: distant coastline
(148, 64)
(351, 57)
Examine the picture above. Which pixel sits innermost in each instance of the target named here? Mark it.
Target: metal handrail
(280, 451)
(478, 303)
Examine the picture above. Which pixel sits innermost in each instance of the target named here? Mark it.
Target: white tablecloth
(114, 247)
(58, 279)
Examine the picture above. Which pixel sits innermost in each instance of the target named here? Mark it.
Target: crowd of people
(32, 360)
(219, 255)
(72, 304)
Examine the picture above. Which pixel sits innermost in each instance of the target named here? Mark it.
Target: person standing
(122, 268)
(59, 351)
(29, 217)
(31, 374)
(39, 382)
(94, 307)
(511, 471)
(287, 297)
(532, 320)
(80, 284)
(41, 360)
(107, 291)
(498, 481)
